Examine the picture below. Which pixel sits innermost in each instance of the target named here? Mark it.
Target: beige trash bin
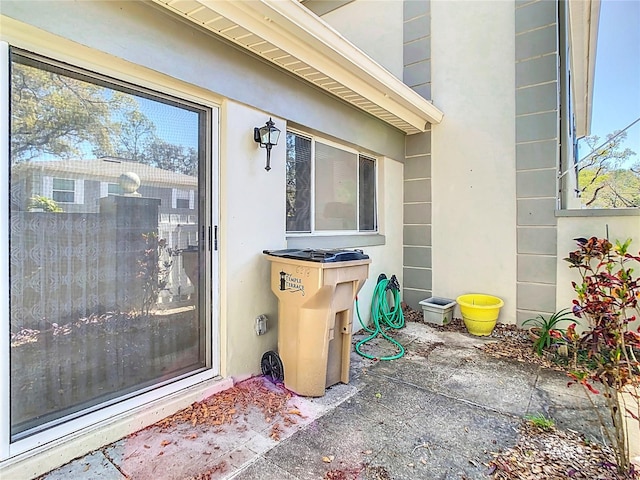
(316, 290)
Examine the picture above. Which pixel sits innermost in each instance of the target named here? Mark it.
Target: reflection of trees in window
(298, 194)
(54, 114)
(58, 114)
(102, 302)
(608, 177)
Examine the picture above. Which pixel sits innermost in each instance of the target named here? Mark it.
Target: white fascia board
(344, 53)
(584, 18)
(299, 32)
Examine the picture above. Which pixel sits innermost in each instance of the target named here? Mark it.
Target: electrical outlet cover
(261, 324)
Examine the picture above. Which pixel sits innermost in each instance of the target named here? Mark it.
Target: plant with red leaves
(608, 297)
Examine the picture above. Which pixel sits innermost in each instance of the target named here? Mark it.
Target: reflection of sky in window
(174, 125)
(616, 97)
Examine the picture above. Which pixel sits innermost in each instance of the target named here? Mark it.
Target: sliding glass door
(108, 260)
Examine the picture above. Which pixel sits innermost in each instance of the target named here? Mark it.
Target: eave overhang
(584, 17)
(287, 34)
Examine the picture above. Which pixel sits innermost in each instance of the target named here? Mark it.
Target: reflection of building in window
(63, 190)
(110, 189)
(106, 262)
(114, 189)
(81, 183)
(183, 199)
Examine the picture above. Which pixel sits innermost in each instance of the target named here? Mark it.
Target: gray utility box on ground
(438, 311)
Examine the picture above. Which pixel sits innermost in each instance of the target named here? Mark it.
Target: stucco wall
(251, 220)
(366, 24)
(417, 172)
(136, 42)
(251, 200)
(386, 258)
(473, 151)
(144, 35)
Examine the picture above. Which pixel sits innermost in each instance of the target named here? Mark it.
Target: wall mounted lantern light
(267, 137)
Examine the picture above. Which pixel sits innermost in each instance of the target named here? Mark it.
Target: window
(114, 189)
(182, 198)
(367, 197)
(110, 189)
(329, 188)
(105, 299)
(298, 195)
(64, 190)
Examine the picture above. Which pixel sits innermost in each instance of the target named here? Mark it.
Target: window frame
(312, 208)
(178, 194)
(116, 193)
(48, 189)
(63, 191)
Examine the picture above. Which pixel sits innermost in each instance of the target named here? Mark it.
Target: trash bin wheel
(272, 366)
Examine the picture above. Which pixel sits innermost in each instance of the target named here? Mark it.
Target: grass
(580, 359)
(540, 421)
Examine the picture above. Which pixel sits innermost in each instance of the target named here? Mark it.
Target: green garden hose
(384, 316)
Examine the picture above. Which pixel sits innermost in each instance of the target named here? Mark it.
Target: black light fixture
(267, 137)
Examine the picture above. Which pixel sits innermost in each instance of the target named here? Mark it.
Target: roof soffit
(290, 36)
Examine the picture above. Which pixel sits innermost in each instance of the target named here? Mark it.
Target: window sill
(599, 212)
(335, 241)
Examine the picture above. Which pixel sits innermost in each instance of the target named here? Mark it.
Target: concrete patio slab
(438, 412)
(95, 466)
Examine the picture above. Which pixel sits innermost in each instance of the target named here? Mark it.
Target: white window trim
(29, 38)
(312, 208)
(78, 197)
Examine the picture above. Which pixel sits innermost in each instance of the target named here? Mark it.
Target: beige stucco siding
(136, 42)
(145, 36)
(249, 91)
(369, 29)
(473, 151)
(252, 219)
(385, 258)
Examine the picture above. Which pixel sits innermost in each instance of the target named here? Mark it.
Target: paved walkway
(436, 413)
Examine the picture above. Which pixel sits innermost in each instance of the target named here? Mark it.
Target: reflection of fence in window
(180, 232)
(60, 268)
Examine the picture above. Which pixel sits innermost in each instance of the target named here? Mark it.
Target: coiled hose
(384, 316)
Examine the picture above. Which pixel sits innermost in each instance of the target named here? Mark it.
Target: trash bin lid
(316, 255)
